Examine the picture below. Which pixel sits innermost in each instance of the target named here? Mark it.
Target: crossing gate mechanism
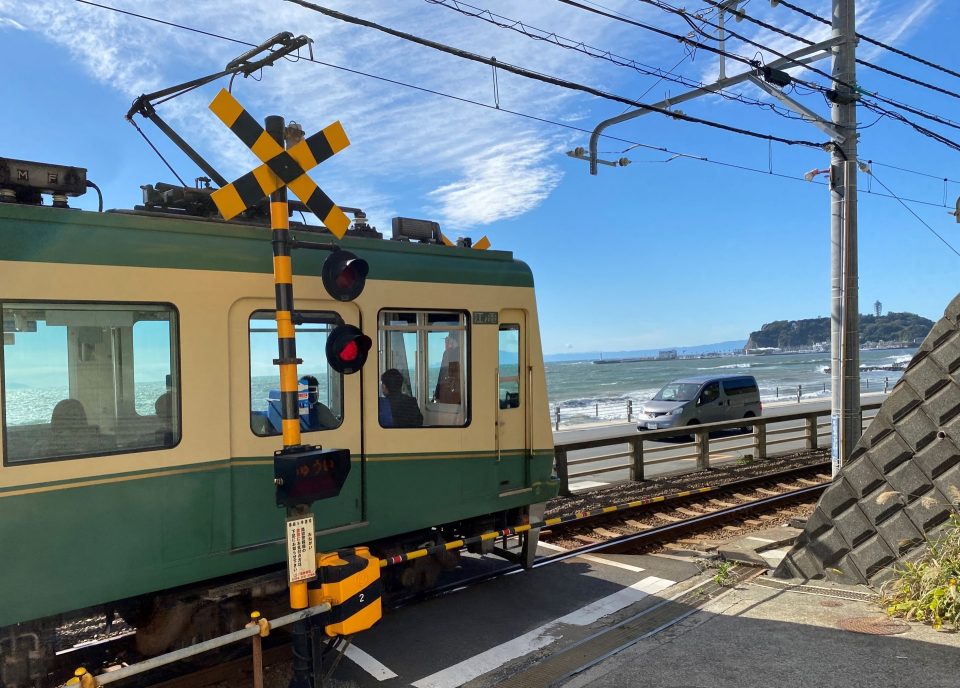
(349, 580)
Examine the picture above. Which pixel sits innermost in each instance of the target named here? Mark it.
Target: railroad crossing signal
(280, 167)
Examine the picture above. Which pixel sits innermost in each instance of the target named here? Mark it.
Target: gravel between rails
(621, 493)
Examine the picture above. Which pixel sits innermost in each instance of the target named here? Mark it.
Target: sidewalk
(770, 632)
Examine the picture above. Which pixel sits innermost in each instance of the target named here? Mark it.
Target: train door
(329, 415)
(513, 466)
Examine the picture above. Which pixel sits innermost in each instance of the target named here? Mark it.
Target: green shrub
(926, 590)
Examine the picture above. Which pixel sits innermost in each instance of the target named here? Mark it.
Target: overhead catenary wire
(854, 89)
(860, 61)
(545, 78)
(872, 41)
(910, 210)
(487, 106)
(534, 33)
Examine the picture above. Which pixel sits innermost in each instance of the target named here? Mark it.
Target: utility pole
(846, 423)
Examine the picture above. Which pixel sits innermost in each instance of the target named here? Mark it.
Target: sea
(588, 392)
(584, 391)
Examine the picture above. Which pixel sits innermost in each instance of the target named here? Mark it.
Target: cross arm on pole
(798, 58)
(808, 114)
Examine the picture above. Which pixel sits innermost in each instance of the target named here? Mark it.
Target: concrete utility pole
(844, 321)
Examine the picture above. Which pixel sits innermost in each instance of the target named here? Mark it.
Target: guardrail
(808, 429)
(567, 413)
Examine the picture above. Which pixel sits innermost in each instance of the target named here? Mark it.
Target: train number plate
(301, 549)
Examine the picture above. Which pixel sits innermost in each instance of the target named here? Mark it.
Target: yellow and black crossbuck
(280, 167)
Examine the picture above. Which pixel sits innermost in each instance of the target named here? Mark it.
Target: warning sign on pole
(301, 550)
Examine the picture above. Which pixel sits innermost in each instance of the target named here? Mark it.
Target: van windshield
(677, 391)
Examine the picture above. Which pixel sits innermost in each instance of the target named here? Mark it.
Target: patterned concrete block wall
(903, 479)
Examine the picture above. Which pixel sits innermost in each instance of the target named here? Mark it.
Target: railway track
(692, 520)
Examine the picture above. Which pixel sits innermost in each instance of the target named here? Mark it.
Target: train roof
(157, 240)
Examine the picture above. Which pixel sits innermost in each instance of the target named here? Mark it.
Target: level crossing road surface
(770, 410)
(481, 635)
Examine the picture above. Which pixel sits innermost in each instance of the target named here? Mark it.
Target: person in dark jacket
(401, 410)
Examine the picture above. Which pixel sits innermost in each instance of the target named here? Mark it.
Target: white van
(701, 399)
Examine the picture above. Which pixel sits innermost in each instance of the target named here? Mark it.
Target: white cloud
(467, 164)
(11, 23)
(502, 182)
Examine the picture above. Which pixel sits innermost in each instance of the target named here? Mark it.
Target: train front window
(423, 369)
(320, 388)
(88, 379)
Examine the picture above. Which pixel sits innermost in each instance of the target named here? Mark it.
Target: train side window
(320, 388)
(508, 378)
(428, 349)
(88, 379)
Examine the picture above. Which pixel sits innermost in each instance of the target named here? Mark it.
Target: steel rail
(651, 534)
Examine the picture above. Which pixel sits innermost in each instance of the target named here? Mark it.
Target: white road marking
(586, 485)
(544, 635)
(590, 557)
(369, 664)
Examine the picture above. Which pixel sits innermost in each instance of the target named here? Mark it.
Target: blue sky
(669, 251)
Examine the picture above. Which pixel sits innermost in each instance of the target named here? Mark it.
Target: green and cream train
(140, 411)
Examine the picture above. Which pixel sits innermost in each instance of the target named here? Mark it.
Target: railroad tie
(688, 512)
(636, 524)
(722, 504)
(606, 533)
(769, 493)
(666, 517)
(589, 539)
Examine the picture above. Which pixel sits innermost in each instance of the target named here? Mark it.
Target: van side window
(428, 349)
(85, 379)
(320, 388)
(710, 393)
(737, 386)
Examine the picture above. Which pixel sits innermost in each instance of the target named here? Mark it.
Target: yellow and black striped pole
(283, 285)
(288, 361)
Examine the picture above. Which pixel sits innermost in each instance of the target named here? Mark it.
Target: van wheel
(747, 429)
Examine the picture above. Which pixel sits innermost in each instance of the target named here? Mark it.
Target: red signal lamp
(344, 275)
(347, 349)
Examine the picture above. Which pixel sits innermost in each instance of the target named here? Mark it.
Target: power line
(492, 108)
(591, 51)
(853, 88)
(865, 63)
(545, 78)
(872, 41)
(910, 210)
